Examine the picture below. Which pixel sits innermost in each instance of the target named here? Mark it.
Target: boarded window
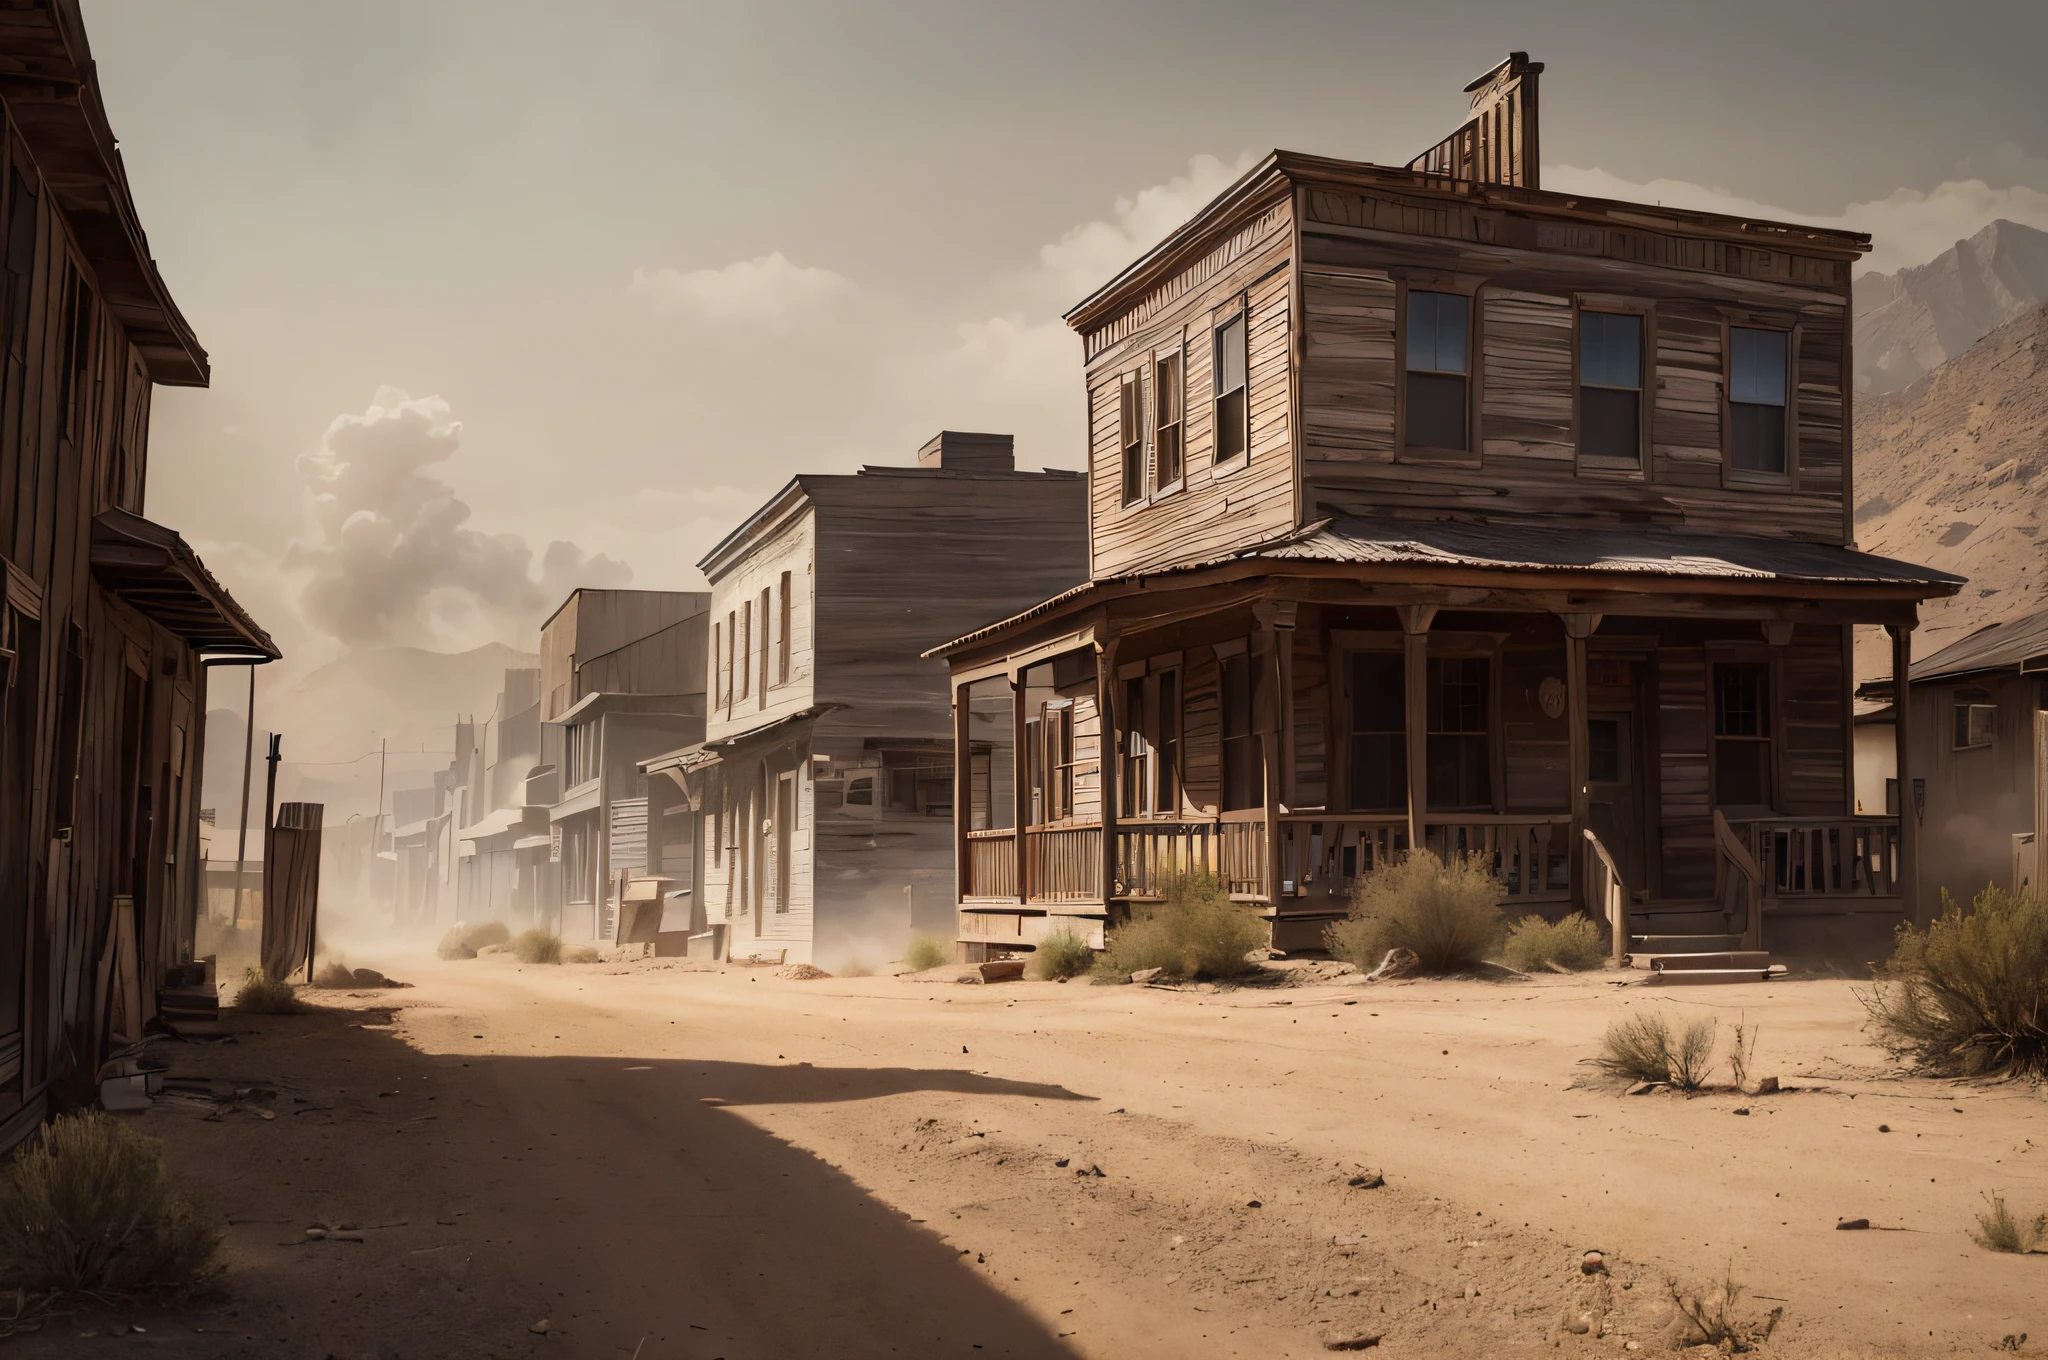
(1437, 363)
(1742, 734)
(1233, 411)
(1611, 386)
(1756, 399)
(1459, 752)
(1244, 777)
(1131, 425)
(1166, 402)
(1379, 732)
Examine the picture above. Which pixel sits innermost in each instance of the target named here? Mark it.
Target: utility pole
(248, 759)
(270, 814)
(377, 830)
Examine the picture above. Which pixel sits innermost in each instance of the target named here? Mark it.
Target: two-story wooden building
(108, 622)
(822, 795)
(1428, 508)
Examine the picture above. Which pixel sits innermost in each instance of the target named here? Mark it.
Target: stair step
(1725, 958)
(1682, 977)
(1684, 944)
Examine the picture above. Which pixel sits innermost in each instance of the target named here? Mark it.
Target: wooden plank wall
(1687, 831)
(1813, 755)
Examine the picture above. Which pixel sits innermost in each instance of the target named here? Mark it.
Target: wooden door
(1615, 783)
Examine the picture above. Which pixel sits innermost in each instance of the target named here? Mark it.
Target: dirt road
(693, 1164)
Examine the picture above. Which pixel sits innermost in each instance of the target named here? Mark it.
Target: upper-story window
(1611, 387)
(1166, 416)
(1131, 435)
(1233, 410)
(1438, 364)
(1756, 400)
(782, 632)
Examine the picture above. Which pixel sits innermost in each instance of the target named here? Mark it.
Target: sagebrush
(926, 951)
(1711, 1319)
(1645, 1047)
(1968, 996)
(1062, 954)
(1194, 931)
(88, 1206)
(582, 953)
(464, 939)
(1999, 1229)
(1575, 943)
(262, 994)
(537, 946)
(1446, 912)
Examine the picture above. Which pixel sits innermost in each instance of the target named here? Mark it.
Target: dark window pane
(1610, 349)
(1379, 772)
(1436, 411)
(1230, 428)
(1244, 778)
(1436, 332)
(1742, 772)
(1379, 723)
(1603, 750)
(1457, 693)
(1459, 772)
(1757, 437)
(1459, 752)
(1230, 356)
(1610, 423)
(1134, 473)
(1739, 700)
(1378, 692)
(1756, 366)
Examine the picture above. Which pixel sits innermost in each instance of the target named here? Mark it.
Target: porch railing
(1150, 853)
(1738, 882)
(991, 864)
(1323, 857)
(1531, 853)
(1607, 893)
(1063, 863)
(1810, 857)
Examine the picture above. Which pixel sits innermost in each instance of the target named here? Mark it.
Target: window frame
(1230, 656)
(1470, 290)
(1134, 464)
(1601, 466)
(1767, 708)
(1151, 782)
(1158, 426)
(1237, 309)
(1965, 706)
(1348, 650)
(1789, 327)
(1489, 734)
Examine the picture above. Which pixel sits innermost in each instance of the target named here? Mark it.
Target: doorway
(1616, 792)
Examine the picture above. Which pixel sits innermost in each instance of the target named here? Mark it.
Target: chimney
(956, 451)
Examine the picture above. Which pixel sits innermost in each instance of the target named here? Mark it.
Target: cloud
(1089, 255)
(768, 290)
(1907, 226)
(390, 558)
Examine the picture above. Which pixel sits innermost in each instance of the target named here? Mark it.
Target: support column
(1577, 628)
(963, 797)
(1108, 762)
(1415, 622)
(1020, 782)
(1902, 735)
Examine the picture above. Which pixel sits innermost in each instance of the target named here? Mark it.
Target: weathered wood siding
(1813, 755)
(741, 698)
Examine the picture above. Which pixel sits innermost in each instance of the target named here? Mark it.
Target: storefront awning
(153, 571)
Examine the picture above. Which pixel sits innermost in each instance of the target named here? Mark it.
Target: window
(1436, 363)
(1233, 412)
(1756, 400)
(1611, 386)
(1131, 424)
(1379, 732)
(992, 754)
(743, 651)
(721, 683)
(764, 648)
(1244, 775)
(1607, 760)
(1974, 718)
(782, 634)
(1742, 734)
(860, 792)
(1459, 753)
(1166, 744)
(1137, 753)
(1051, 734)
(1166, 403)
(1149, 784)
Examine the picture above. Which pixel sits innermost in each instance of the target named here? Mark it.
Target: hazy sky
(654, 258)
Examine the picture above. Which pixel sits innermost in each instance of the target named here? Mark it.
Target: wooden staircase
(1685, 943)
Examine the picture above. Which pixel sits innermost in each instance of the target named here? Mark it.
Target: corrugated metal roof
(1994, 647)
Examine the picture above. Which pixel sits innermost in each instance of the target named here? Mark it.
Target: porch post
(1902, 737)
(963, 799)
(1577, 628)
(1283, 649)
(1020, 782)
(1108, 762)
(1415, 622)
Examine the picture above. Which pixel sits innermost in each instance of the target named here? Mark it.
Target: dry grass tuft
(1574, 943)
(1968, 996)
(88, 1206)
(1062, 954)
(1642, 1047)
(262, 994)
(1195, 931)
(463, 940)
(926, 951)
(537, 946)
(1999, 1230)
(1447, 912)
(1710, 1317)
(1742, 1057)
(582, 953)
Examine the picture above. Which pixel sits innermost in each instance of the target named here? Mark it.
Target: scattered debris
(1356, 1343)
(1852, 1225)
(539, 1328)
(1398, 963)
(1760, 1086)
(1593, 1263)
(1367, 1180)
(1146, 974)
(1001, 970)
(803, 972)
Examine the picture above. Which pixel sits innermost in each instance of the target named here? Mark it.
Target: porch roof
(2010, 645)
(1613, 557)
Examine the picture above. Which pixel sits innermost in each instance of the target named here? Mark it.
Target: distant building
(821, 799)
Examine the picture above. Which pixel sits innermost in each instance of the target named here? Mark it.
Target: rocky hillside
(1950, 473)
(1910, 323)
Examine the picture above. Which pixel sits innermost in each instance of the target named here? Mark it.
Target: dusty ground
(677, 1163)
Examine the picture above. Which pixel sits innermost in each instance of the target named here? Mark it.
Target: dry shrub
(926, 951)
(1195, 931)
(1062, 954)
(262, 994)
(1968, 996)
(1742, 1057)
(1447, 912)
(1642, 1047)
(1999, 1230)
(88, 1206)
(1710, 1317)
(537, 946)
(463, 940)
(334, 975)
(582, 953)
(1574, 943)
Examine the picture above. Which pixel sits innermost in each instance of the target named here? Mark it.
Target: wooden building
(622, 675)
(494, 881)
(108, 622)
(1429, 508)
(1978, 758)
(823, 791)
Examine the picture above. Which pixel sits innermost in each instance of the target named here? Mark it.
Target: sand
(703, 1164)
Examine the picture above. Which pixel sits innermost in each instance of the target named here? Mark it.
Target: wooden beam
(1108, 761)
(1415, 622)
(1577, 628)
(1902, 737)
(1020, 782)
(963, 796)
